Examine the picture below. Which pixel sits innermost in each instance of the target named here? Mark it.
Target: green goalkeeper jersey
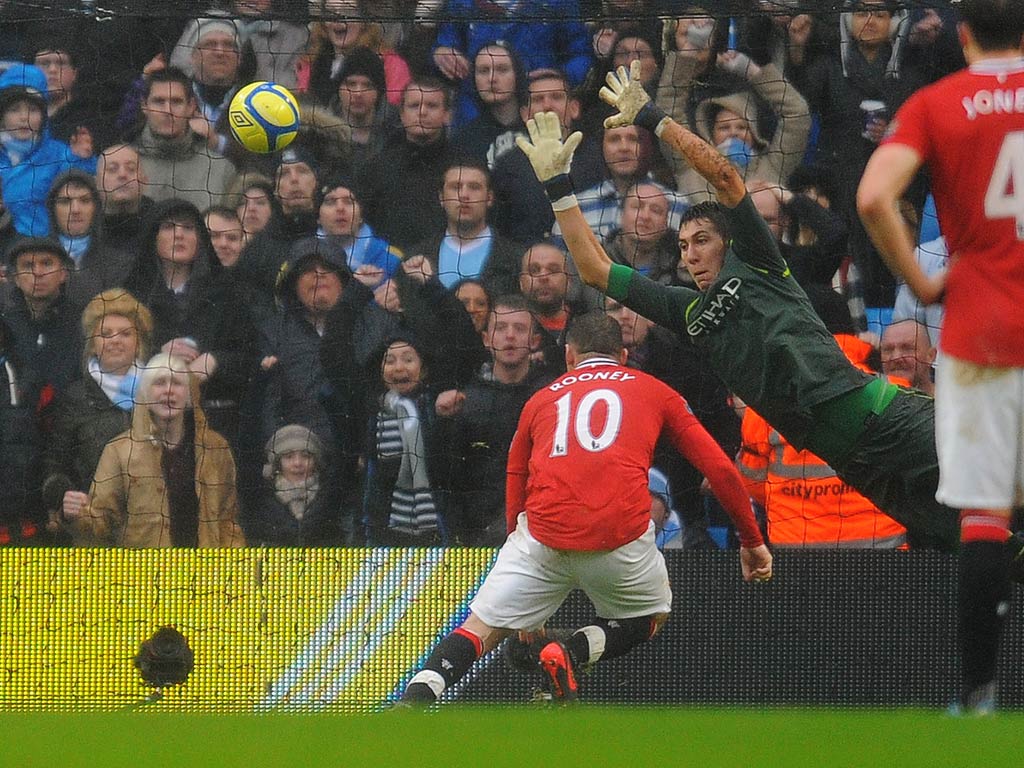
(757, 325)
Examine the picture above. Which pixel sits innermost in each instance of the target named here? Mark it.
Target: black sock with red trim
(449, 661)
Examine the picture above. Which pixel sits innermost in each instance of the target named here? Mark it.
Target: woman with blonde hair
(166, 481)
(117, 329)
(330, 41)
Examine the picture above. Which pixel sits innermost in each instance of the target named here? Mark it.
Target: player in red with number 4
(579, 516)
(968, 129)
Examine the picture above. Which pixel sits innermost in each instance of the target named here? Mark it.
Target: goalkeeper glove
(550, 157)
(625, 92)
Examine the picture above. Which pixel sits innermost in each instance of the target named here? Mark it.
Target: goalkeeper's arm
(625, 92)
(551, 158)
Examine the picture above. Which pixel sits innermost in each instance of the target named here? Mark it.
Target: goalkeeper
(758, 327)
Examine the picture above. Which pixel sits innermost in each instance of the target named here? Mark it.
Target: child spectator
(299, 506)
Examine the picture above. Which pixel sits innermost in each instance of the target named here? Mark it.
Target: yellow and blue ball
(264, 117)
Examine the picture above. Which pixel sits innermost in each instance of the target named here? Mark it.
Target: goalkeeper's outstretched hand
(626, 93)
(548, 155)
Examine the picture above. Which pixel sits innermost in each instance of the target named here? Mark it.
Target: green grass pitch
(523, 736)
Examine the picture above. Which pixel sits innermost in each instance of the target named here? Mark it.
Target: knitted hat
(363, 61)
(42, 244)
(293, 437)
(209, 26)
(336, 181)
(298, 153)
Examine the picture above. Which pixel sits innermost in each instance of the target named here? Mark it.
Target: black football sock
(448, 662)
(983, 604)
(608, 638)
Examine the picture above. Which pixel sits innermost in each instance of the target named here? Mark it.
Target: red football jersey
(578, 462)
(969, 129)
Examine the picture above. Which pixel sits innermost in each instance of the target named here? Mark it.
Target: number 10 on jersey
(580, 418)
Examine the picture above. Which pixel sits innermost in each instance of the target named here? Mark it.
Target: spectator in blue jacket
(30, 159)
(545, 33)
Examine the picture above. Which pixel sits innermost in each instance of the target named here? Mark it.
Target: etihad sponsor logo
(727, 296)
(998, 102)
(566, 381)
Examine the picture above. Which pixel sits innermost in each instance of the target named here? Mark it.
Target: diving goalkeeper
(758, 327)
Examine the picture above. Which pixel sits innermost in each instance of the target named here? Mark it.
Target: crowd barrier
(342, 630)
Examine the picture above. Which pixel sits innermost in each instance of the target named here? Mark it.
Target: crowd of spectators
(202, 346)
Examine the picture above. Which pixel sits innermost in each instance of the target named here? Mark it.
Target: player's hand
(626, 93)
(548, 155)
(756, 563)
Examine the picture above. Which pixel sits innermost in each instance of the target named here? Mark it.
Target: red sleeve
(701, 450)
(517, 471)
(910, 127)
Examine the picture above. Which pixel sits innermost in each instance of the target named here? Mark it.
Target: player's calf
(610, 638)
(448, 662)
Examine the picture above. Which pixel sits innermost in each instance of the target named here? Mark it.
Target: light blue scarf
(737, 151)
(76, 246)
(119, 389)
(16, 148)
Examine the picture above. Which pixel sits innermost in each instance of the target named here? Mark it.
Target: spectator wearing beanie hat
(360, 102)
(42, 321)
(300, 504)
(295, 190)
(30, 159)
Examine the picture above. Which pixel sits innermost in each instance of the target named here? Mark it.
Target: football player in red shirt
(968, 130)
(579, 516)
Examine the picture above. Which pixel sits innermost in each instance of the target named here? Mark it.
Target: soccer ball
(264, 117)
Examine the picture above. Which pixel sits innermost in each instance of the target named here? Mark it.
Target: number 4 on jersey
(1005, 196)
(581, 422)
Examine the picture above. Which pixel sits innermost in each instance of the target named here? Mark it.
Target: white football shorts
(979, 434)
(530, 580)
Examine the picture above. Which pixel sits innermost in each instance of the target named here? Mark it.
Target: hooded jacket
(208, 310)
(772, 159)
(99, 267)
(128, 501)
(26, 180)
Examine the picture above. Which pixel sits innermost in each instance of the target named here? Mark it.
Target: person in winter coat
(21, 518)
(196, 311)
(30, 159)
(97, 407)
(76, 220)
(168, 480)
(430, 345)
(300, 504)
